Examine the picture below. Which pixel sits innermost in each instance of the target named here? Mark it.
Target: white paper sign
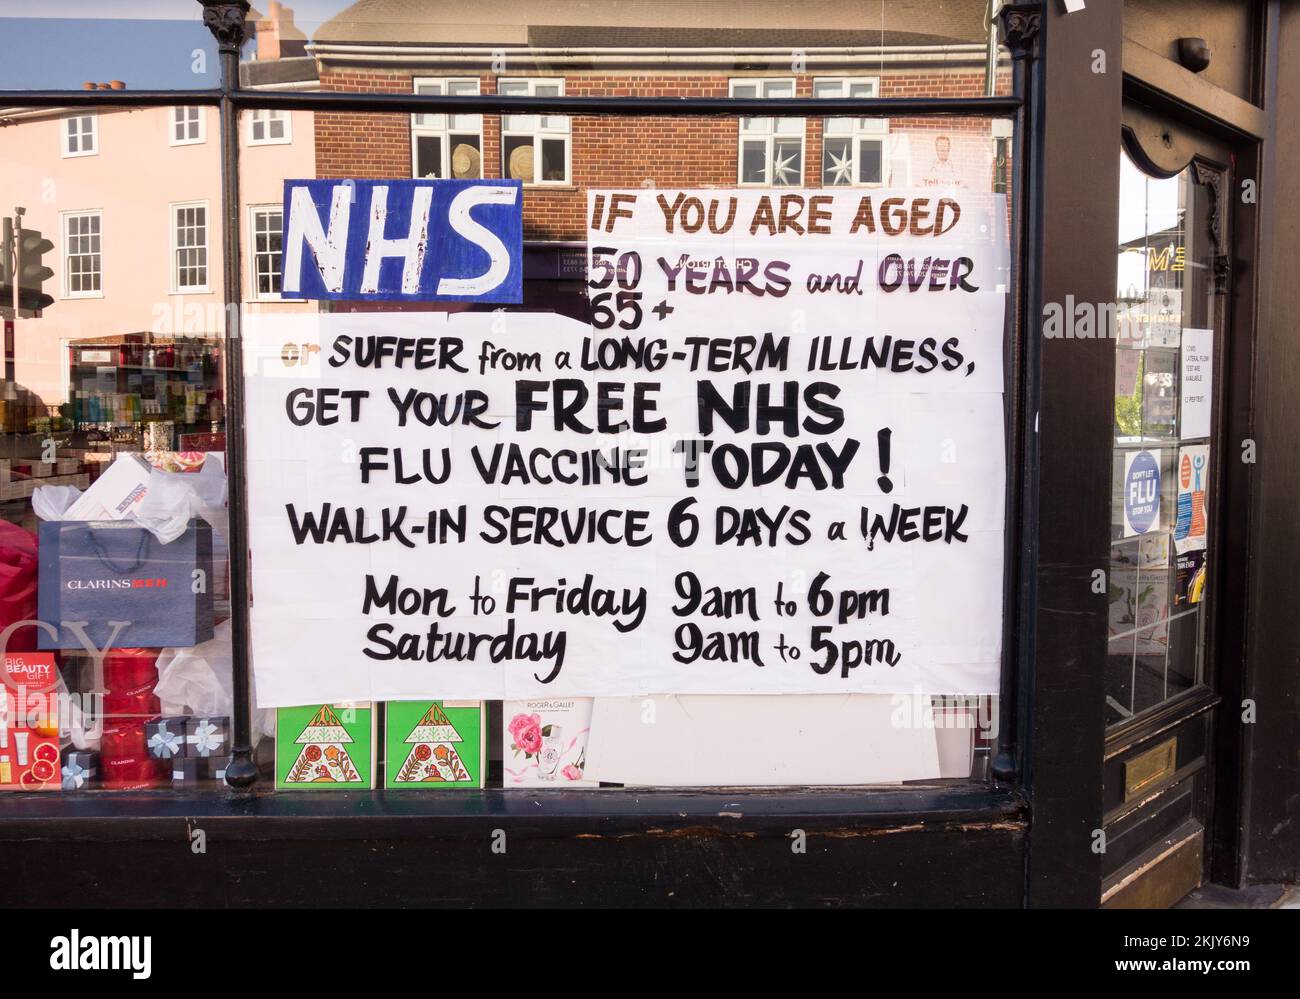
(768, 741)
(1197, 381)
(774, 463)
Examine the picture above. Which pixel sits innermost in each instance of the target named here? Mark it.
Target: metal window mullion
(1021, 30)
(226, 21)
(997, 106)
(795, 107)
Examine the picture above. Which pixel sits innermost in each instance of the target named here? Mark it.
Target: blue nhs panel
(369, 240)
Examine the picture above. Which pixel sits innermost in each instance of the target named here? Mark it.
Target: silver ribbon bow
(207, 738)
(164, 744)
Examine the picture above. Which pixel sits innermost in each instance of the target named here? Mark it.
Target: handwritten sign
(773, 462)
(403, 240)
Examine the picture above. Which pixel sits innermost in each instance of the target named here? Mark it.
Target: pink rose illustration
(526, 730)
(572, 772)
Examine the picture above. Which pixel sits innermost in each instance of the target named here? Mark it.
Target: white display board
(767, 741)
(783, 473)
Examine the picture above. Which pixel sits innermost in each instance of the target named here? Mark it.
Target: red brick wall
(607, 151)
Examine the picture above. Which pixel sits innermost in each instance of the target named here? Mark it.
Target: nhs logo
(404, 240)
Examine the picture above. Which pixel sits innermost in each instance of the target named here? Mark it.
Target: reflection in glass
(447, 145)
(112, 433)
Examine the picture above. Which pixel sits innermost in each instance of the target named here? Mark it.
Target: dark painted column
(1272, 743)
(226, 22)
(1076, 190)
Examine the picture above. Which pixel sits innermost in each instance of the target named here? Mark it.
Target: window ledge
(930, 845)
(125, 816)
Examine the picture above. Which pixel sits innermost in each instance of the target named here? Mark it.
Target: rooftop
(642, 23)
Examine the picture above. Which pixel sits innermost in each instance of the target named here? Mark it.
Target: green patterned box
(325, 747)
(434, 745)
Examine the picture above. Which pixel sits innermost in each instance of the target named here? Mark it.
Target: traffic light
(32, 271)
(21, 263)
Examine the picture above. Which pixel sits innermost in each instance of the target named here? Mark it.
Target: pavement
(1250, 897)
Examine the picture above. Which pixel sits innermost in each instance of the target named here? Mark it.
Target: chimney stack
(277, 36)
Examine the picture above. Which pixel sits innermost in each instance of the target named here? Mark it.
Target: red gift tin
(130, 669)
(139, 703)
(133, 773)
(123, 737)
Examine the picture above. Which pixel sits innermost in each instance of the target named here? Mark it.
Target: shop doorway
(1165, 582)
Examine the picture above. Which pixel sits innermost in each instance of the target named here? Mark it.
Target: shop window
(186, 126)
(80, 135)
(82, 262)
(771, 149)
(447, 145)
(269, 128)
(130, 393)
(413, 740)
(534, 148)
(853, 149)
(190, 247)
(265, 240)
(110, 392)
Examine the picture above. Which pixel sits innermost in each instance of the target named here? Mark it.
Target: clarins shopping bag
(100, 572)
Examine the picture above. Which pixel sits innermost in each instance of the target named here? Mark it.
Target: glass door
(1170, 322)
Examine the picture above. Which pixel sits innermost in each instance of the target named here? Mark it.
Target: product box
(191, 770)
(122, 737)
(207, 736)
(165, 737)
(119, 491)
(17, 489)
(544, 743)
(435, 744)
(80, 770)
(136, 704)
(133, 772)
(325, 747)
(130, 669)
(214, 767)
(29, 723)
